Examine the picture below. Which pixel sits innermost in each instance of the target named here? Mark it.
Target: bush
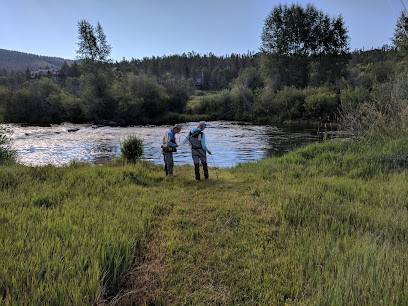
(351, 98)
(7, 155)
(288, 103)
(132, 148)
(262, 106)
(382, 115)
(321, 103)
(219, 105)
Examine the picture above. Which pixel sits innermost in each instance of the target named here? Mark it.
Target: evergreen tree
(400, 38)
(64, 71)
(28, 74)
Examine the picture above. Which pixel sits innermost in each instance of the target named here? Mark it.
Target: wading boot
(197, 171)
(205, 168)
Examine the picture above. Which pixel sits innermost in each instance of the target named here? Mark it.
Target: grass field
(326, 224)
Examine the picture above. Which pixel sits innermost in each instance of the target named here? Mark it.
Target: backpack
(195, 139)
(165, 145)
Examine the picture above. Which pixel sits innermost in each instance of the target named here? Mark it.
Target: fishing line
(215, 167)
(399, 21)
(406, 12)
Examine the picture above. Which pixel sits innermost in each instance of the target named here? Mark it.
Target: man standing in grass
(169, 146)
(196, 139)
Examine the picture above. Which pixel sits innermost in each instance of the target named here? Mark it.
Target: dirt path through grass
(292, 236)
(189, 248)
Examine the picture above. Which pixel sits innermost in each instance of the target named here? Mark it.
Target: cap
(177, 126)
(202, 125)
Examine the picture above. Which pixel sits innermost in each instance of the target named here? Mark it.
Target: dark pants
(197, 171)
(168, 162)
(199, 155)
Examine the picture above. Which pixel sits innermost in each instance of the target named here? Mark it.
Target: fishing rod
(215, 167)
(212, 157)
(406, 12)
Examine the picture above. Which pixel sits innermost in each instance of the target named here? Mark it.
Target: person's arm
(172, 138)
(203, 144)
(186, 139)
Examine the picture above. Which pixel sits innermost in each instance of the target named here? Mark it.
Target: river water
(230, 142)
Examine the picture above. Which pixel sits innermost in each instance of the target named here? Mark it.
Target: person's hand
(176, 145)
(209, 152)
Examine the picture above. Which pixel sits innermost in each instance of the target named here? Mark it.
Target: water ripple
(231, 142)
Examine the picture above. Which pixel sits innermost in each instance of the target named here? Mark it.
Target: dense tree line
(307, 76)
(216, 71)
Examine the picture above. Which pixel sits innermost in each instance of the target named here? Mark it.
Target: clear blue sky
(145, 28)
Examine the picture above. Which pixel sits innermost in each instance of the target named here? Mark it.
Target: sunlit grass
(67, 233)
(326, 224)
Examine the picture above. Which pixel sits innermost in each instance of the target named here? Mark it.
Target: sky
(146, 28)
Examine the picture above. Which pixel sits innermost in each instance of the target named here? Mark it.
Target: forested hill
(19, 61)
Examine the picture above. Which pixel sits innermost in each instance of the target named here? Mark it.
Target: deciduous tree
(301, 46)
(94, 51)
(92, 45)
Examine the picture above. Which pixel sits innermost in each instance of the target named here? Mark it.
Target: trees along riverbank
(172, 89)
(324, 224)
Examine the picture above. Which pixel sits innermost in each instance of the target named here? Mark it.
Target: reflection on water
(231, 143)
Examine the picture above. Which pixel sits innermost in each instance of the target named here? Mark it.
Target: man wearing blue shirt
(169, 146)
(196, 139)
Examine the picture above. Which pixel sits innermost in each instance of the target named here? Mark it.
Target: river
(230, 142)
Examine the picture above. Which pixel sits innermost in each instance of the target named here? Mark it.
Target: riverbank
(325, 224)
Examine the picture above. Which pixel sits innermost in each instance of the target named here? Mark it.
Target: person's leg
(196, 159)
(205, 169)
(197, 171)
(203, 159)
(165, 163)
(170, 162)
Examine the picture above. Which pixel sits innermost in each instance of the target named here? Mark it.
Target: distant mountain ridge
(15, 60)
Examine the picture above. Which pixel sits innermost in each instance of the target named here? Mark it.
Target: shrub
(220, 105)
(321, 103)
(242, 99)
(382, 115)
(262, 106)
(6, 153)
(288, 103)
(351, 98)
(132, 148)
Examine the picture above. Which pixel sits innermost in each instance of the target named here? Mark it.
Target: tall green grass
(343, 220)
(325, 224)
(67, 233)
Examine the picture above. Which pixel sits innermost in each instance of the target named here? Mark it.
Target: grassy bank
(68, 233)
(326, 224)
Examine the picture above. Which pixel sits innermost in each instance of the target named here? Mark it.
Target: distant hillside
(14, 60)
